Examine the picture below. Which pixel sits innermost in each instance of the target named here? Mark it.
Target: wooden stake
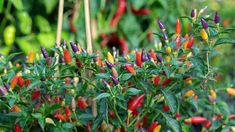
(59, 23)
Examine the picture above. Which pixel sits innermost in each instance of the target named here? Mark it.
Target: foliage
(171, 87)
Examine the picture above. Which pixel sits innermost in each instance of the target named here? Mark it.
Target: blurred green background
(26, 25)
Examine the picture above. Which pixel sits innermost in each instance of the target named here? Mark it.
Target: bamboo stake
(59, 23)
(89, 45)
(88, 26)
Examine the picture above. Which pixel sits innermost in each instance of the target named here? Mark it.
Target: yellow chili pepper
(30, 57)
(168, 58)
(231, 91)
(189, 93)
(168, 50)
(213, 93)
(110, 58)
(157, 128)
(204, 35)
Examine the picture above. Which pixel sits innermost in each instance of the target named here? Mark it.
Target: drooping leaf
(18, 4)
(172, 123)
(171, 101)
(224, 41)
(103, 95)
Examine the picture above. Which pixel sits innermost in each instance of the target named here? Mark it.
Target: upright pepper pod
(217, 18)
(153, 55)
(157, 80)
(130, 69)
(177, 27)
(17, 128)
(14, 81)
(213, 93)
(204, 24)
(44, 53)
(67, 112)
(190, 43)
(110, 58)
(161, 25)
(138, 58)
(81, 103)
(74, 47)
(194, 15)
(114, 72)
(67, 56)
(20, 81)
(30, 57)
(189, 93)
(204, 35)
(78, 63)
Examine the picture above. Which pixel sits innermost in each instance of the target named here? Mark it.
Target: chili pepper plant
(171, 87)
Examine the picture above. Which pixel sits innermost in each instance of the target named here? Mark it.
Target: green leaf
(171, 101)
(224, 41)
(223, 108)
(47, 39)
(1, 5)
(133, 91)
(103, 95)
(67, 125)
(50, 5)
(42, 24)
(125, 76)
(18, 4)
(25, 22)
(42, 123)
(172, 123)
(33, 84)
(37, 115)
(138, 3)
(11, 102)
(102, 75)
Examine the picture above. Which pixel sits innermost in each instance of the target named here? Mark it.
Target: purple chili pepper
(142, 129)
(204, 23)
(193, 13)
(143, 57)
(160, 24)
(3, 91)
(83, 51)
(44, 53)
(106, 83)
(61, 60)
(7, 86)
(149, 56)
(109, 65)
(74, 47)
(217, 18)
(159, 58)
(115, 81)
(165, 36)
(63, 43)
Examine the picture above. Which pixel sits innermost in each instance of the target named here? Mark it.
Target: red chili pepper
(165, 108)
(120, 11)
(36, 95)
(177, 27)
(17, 128)
(177, 115)
(190, 43)
(81, 103)
(157, 80)
(138, 58)
(140, 12)
(207, 125)
(152, 126)
(150, 35)
(130, 69)
(177, 39)
(14, 81)
(67, 56)
(59, 116)
(27, 82)
(67, 112)
(111, 114)
(232, 116)
(195, 120)
(78, 63)
(153, 55)
(88, 127)
(219, 116)
(20, 81)
(167, 81)
(135, 103)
